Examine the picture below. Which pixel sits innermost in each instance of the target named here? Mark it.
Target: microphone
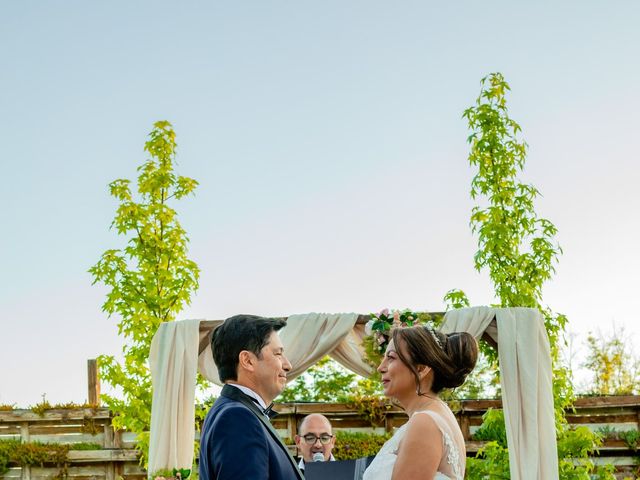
(318, 457)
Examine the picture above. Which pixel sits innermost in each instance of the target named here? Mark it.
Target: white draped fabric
(350, 352)
(526, 381)
(206, 365)
(308, 338)
(524, 357)
(173, 359)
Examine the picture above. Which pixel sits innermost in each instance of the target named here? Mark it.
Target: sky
(328, 142)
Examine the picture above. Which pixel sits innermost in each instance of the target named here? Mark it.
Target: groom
(237, 441)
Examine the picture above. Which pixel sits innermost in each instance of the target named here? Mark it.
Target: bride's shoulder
(423, 426)
(444, 419)
(428, 415)
(421, 448)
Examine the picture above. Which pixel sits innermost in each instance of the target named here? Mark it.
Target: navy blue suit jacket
(237, 442)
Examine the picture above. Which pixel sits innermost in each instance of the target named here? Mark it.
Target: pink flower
(396, 318)
(384, 311)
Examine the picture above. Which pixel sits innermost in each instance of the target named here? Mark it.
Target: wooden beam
(93, 382)
(207, 325)
(361, 320)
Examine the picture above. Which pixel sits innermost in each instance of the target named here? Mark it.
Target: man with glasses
(315, 440)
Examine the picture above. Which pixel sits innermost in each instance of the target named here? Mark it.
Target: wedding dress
(453, 459)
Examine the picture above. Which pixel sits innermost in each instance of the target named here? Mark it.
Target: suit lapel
(237, 395)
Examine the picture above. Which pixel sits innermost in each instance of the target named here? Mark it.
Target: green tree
(615, 367)
(326, 381)
(517, 247)
(150, 280)
(519, 251)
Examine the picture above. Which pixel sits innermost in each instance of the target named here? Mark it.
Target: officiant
(315, 440)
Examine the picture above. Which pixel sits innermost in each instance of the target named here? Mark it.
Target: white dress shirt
(251, 393)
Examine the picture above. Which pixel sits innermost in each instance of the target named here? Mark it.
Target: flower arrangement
(378, 329)
(381, 324)
(176, 474)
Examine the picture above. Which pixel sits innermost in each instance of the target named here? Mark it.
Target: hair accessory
(435, 337)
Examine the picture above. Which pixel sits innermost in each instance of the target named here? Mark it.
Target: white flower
(368, 328)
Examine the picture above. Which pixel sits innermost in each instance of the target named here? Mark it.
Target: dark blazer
(237, 442)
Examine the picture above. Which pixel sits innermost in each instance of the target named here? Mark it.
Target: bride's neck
(416, 402)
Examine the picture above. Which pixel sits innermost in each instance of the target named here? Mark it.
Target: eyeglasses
(310, 438)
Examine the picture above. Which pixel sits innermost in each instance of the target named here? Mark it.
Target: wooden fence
(116, 457)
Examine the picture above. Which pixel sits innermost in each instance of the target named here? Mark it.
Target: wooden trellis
(117, 458)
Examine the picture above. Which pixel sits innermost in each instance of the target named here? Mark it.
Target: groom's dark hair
(238, 333)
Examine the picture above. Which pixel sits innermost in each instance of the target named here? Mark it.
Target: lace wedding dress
(453, 459)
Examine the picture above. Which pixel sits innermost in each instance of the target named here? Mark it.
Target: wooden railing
(117, 458)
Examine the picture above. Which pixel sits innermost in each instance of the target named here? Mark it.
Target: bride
(418, 364)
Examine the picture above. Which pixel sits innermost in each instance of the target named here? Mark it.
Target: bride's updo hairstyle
(451, 356)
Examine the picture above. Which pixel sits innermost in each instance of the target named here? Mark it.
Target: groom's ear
(246, 360)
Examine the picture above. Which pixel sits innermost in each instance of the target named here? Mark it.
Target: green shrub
(491, 462)
(31, 453)
(575, 445)
(352, 445)
(4, 461)
(492, 428)
(606, 432)
(85, 446)
(631, 438)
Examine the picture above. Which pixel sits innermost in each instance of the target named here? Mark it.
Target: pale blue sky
(330, 150)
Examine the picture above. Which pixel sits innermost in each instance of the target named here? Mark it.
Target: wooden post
(464, 426)
(25, 473)
(93, 382)
(25, 436)
(292, 429)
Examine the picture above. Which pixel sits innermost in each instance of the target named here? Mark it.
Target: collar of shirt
(251, 393)
(301, 463)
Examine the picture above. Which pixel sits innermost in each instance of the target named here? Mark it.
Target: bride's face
(397, 378)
